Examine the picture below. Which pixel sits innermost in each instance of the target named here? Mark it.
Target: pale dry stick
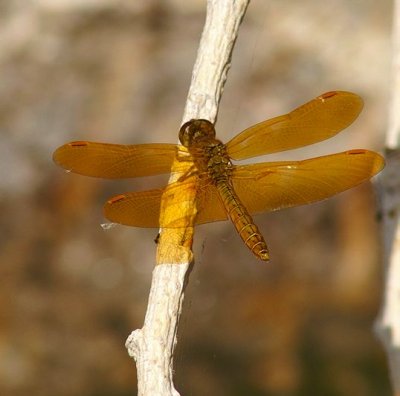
(152, 346)
(387, 325)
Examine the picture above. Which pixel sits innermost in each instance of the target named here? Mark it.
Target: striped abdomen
(242, 221)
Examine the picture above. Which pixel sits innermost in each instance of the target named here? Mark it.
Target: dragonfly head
(194, 131)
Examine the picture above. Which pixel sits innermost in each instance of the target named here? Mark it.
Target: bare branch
(152, 346)
(393, 132)
(388, 324)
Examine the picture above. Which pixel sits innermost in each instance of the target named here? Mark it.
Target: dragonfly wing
(312, 122)
(137, 209)
(116, 160)
(276, 185)
(142, 208)
(209, 205)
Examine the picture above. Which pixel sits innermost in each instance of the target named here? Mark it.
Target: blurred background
(118, 71)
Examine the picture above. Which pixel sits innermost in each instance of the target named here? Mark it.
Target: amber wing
(142, 208)
(312, 122)
(276, 185)
(261, 187)
(113, 161)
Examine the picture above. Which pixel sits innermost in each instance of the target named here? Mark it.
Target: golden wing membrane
(113, 161)
(261, 187)
(137, 209)
(142, 208)
(312, 122)
(271, 186)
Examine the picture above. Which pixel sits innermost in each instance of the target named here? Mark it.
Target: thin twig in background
(388, 323)
(152, 346)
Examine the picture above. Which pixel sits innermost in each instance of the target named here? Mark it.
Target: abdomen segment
(242, 221)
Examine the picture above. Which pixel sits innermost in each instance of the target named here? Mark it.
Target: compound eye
(195, 130)
(185, 133)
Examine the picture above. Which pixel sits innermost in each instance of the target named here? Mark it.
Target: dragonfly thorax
(196, 132)
(209, 153)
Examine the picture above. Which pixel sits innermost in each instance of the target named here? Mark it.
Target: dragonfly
(224, 189)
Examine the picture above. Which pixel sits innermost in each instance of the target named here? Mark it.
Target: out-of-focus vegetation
(118, 71)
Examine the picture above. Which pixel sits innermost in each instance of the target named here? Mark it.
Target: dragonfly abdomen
(242, 221)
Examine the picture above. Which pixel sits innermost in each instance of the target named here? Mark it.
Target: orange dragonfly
(225, 190)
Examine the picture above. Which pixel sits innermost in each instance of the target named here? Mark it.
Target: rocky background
(71, 292)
